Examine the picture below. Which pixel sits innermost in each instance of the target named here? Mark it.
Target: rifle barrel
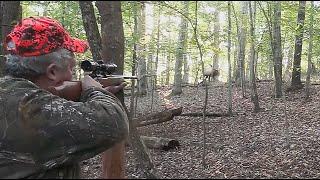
(120, 76)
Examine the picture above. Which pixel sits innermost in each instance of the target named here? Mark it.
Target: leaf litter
(280, 141)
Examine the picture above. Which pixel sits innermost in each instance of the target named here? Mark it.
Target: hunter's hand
(115, 89)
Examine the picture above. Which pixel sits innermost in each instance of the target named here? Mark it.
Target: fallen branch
(315, 84)
(264, 80)
(158, 117)
(160, 143)
(199, 114)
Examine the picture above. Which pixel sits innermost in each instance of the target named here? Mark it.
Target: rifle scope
(99, 66)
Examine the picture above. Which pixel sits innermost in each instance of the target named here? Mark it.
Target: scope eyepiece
(88, 66)
(99, 67)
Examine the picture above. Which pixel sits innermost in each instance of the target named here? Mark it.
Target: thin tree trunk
(10, 15)
(289, 63)
(206, 86)
(168, 58)
(91, 29)
(310, 52)
(254, 94)
(216, 40)
(158, 45)
(168, 69)
(150, 73)
(141, 50)
(177, 88)
(236, 65)
(277, 49)
(242, 45)
(269, 25)
(135, 61)
(296, 72)
(271, 65)
(229, 63)
(186, 69)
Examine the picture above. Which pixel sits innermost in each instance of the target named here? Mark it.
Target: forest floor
(280, 141)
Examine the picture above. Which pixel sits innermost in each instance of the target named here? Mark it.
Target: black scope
(99, 66)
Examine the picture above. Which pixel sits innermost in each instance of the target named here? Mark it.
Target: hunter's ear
(52, 72)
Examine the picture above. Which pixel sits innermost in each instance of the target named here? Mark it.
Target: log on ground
(160, 143)
(200, 114)
(158, 117)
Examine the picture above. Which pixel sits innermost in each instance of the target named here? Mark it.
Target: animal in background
(210, 73)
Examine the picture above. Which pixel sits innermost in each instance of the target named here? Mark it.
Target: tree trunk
(296, 72)
(229, 63)
(186, 69)
(134, 102)
(2, 48)
(289, 63)
(310, 52)
(168, 69)
(196, 69)
(158, 45)
(271, 65)
(277, 49)
(256, 64)
(10, 14)
(272, 48)
(141, 50)
(254, 94)
(186, 65)
(242, 45)
(177, 89)
(91, 28)
(236, 63)
(216, 40)
(150, 70)
(236, 73)
(112, 34)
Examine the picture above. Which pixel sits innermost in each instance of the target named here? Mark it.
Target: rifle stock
(71, 90)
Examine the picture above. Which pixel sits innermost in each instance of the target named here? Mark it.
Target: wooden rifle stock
(71, 90)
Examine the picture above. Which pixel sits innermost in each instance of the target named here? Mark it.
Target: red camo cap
(36, 36)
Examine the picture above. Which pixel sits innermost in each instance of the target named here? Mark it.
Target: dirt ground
(280, 141)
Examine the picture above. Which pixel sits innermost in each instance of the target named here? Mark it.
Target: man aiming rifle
(45, 135)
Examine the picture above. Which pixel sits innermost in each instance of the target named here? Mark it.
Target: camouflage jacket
(45, 136)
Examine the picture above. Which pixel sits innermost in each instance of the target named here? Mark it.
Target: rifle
(103, 73)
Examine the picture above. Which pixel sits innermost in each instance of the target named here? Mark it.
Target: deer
(210, 73)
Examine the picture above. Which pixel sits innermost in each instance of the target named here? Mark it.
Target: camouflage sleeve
(74, 131)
